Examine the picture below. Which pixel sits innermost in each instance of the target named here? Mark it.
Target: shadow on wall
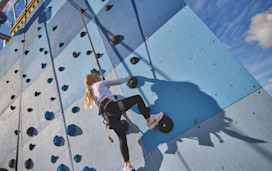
(184, 102)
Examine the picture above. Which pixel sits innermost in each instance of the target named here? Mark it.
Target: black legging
(113, 108)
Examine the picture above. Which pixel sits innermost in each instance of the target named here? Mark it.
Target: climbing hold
(24, 75)
(22, 41)
(61, 44)
(43, 65)
(102, 0)
(62, 167)
(134, 60)
(49, 8)
(12, 163)
(77, 158)
(41, 49)
(31, 146)
(195, 121)
(12, 97)
(26, 52)
(49, 115)
(7, 81)
(15, 50)
(37, 93)
(115, 40)
(71, 130)
(86, 168)
(39, 36)
(28, 163)
(3, 169)
(58, 140)
(30, 131)
(54, 28)
(108, 7)
(28, 80)
(75, 55)
(82, 34)
(61, 69)
(165, 124)
(54, 158)
(75, 109)
(45, 52)
(16, 132)
(98, 55)
(15, 71)
(38, 28)
(52, 98)
(83, 10)
(94, 71)
(88, 52)
(29, 109)
(64, 87)
(198, 126)
(12, 107)
(132, 83)
(116, 97)
(50, 80)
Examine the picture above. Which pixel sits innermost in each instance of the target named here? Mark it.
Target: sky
(243, 26)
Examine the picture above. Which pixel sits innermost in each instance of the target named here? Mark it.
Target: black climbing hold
(43, 65)
(15, 50)
(64, 87)
(26, 52)
(50, 80)
(45, 52)
(54, 158)
(3, 169)
(54, 28)
(23, 41)
(15, 71)
(28, 80)
(61, 44)
(12, 97)
(102, 0)
(16, 132)
(30, 131)
(24, 75)
(49, 8)
(77, 158)
(82, 34)
(71, 130)
(12, 163)
(98, 55)
(12, 107)
(58, 140)
(108, 7)
(49, 115)
(38, 28)
(94, 71)
(52, 98)
(75, 55)
(165, 124)
(28, 163)
(29, 109)
(37, 93)
(7, 81)
(83, 10)
(134, 60)
(75, 109)
(88, 52)
(195, 121)
(41, 49)
(61, 69)
(31, 146)
(39, 36)
(115, 40)
(132, 83)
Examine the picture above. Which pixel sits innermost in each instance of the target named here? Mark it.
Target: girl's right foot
(154, 119)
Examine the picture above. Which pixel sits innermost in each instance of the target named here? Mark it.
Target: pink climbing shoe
(129, 168)
(154, 119)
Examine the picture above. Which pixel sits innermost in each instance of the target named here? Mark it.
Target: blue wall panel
(134, 21)
(189, 84)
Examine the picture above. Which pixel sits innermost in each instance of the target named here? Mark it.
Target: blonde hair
(89, 81)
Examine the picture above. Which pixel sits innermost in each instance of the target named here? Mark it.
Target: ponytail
(89, 80)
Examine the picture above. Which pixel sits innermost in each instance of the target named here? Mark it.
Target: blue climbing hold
(58, 140)
(54, 158)
(75, 109)
(61, 69)
(86, 168)
(77, 158)
(71, 130)
(49, 115)
(62, 167)
(64, 87)
(43, 65)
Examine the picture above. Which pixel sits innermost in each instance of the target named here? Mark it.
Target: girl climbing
(98, 92)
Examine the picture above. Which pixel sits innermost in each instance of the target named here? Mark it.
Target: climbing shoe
(129, 168)
(154, 119)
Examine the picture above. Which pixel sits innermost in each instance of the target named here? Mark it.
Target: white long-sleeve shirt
(101, 90)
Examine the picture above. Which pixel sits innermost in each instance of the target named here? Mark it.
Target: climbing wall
(221, 115)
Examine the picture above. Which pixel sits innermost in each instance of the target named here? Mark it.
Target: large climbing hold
(71, 130)
(12, 163)
(31, 131)
(165, 124)
(114, 40)
(132, 82)
(49, 115)
(62, 167)
(28, 163)
(58, 140)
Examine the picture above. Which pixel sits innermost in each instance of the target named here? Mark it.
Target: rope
(100, 70)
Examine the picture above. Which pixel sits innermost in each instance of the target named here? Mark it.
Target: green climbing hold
(54, 158)
(61, 69)
(64, 87)
(39, 36)
(77, 158)
(38, 28)
(50, 80)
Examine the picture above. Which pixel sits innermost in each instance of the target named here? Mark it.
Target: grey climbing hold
(43, 65)
(12, 107)
(75, 55)
(41, 49)
(61, 44)
(132, 83)
(114, 40)
(49, 80)
(12, 97)
(26, 52)
(54, 158)
(29, 109)
(108, 7)
(12, 163)
(37, 93)
(61, 69)
(77, 158)
(134, 60)
(28, 80)
(28, 163)
(82, 34)
(64, 87)
(31, 146)
(88, 52)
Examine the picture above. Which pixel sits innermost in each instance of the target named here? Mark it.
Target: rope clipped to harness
(108, 135)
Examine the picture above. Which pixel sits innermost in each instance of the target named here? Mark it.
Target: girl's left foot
(129, 168)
